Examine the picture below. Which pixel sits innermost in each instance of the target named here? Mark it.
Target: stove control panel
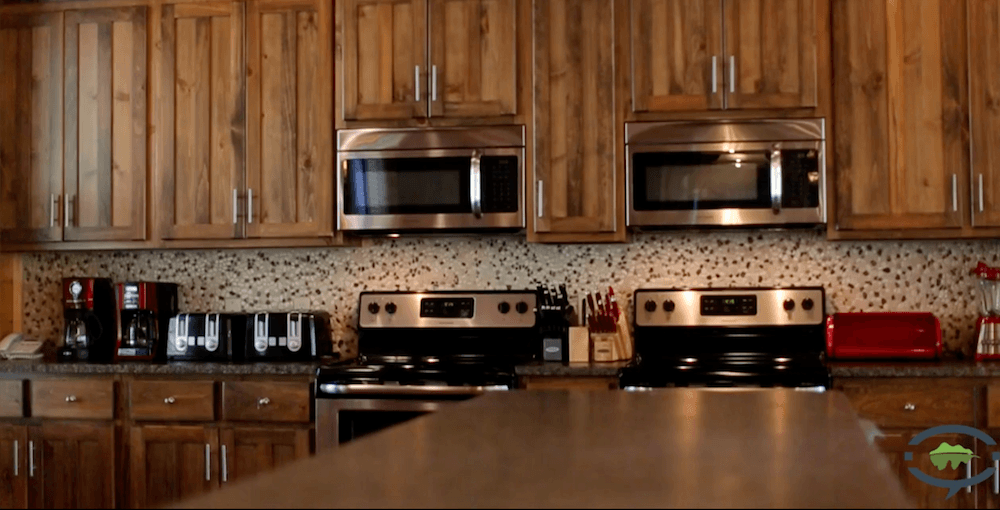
(448, 309)
(798, 306)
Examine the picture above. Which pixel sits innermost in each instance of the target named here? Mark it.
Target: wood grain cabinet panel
(202, 116)
(895, 445)
(901, 107)
(172, 400)
(290, 112)
(771, 53)
(254, 450)
(74, 465)
(105, 124)
(266, 401)
(576, 165)
(473, 58)
(13, 466)
(384, 58)
(31, 127)
(171, 463)
(984, 99)
(674, 44)
(11, 399)
(911, 403)
(85, 399)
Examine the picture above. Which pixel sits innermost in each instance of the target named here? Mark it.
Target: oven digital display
(448, 308)
(729, 305)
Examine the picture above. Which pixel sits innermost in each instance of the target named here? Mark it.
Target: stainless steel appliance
(420, 351)
(729, 337)
(726, 173)
(207, 337)
(144, 308)
(288, 336)
(394, 180)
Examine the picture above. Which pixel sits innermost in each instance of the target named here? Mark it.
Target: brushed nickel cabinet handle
(980, 192)
(225, 465)
(968, 474)
(541, 198)
(67, 209)
(249, 205)
(53, 204)
(263, 402)
(71, 398)
(169, 400)
(208, 462)
(434, 83)
(715, 75)
(16, 455)
(732, 74)
(954, 192)
(235, 206)
(996, 476)
(909, 407)
(416, 83)
(31, 459)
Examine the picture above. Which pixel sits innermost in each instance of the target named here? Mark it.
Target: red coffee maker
(89, 313)
(988, 324)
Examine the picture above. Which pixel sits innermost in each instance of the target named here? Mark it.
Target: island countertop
(666, 448)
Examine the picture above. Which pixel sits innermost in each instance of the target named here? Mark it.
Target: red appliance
(883, 335)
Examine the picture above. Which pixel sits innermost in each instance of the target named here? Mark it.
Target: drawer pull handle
(909, 407)
(263, 402)
(169, 400)
(71, 398)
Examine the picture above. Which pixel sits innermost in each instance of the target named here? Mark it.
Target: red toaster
(881, 335)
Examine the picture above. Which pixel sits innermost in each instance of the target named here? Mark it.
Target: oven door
(431, 189)
(726, 184)
(347, 412)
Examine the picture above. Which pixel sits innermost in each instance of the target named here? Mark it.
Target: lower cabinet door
(171, 463)
(71, 465)
(13, 466)
(895, 444)
(252, 450)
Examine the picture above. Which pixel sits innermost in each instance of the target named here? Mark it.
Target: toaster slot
(261, 328)
(181, 333)
(212, 332)
(294, 331)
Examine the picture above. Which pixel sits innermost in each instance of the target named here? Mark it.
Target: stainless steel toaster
(288, 336)
(206, 337)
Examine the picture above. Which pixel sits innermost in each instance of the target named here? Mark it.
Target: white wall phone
(15, 346)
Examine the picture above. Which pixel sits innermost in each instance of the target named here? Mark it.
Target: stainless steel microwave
(457, 179)
(726, 173)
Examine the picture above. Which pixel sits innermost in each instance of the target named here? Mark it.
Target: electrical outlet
(301, 303)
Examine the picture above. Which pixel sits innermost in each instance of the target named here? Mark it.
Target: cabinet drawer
(80, 398)
(911, 402)
(265, 401)
(172, 400)
(569, 383)
(11, 399)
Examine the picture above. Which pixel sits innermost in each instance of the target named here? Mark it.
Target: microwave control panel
(500, 184)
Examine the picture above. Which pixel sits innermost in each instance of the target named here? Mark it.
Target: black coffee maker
(89, 314)
(144, 311)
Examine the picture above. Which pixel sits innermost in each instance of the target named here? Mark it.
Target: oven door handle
(388, 390)
(776, 191)
(476, 183)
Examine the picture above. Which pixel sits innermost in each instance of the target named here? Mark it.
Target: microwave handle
(776, 180)
(476, 184)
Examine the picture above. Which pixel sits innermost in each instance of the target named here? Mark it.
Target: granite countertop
(666, 448)
(559, 369)
(913, 369)
(172, 368)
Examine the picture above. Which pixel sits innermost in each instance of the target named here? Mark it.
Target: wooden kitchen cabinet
(252, 450)
(289, 119)
(894, 444)
(577, 181)
(168, 463)
(984, 110)
(74, 465)
(901, 147)
(682, 61)
(31, 127)
(13, 466)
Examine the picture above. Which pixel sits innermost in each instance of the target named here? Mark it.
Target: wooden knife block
(616, 346)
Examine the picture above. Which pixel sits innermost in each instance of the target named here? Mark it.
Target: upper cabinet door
(473, 58)
(676, 55)
(201, 119)
(383, 47)
(31, 126)
(984, 54)
(771, 53)
(575, 159)
(290, 112)
(901, 100)
(105, 146)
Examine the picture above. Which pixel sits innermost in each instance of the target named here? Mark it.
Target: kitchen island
(667, 448)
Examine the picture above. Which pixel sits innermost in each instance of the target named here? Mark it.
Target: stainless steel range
(729, 337)
(420, 351)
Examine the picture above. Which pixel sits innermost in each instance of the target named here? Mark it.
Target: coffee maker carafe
(89, 315)
(144, 310)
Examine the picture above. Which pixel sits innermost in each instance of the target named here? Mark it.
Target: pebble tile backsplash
(858, 276)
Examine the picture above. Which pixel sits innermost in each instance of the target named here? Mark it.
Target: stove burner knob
(521, 307)
(788, 305)
(504, 307)
(650, 306)
(807, 304)
(390, 308)
(373, 308)
(668, 306)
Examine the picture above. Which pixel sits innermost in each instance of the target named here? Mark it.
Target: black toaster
(288, 336)
(206, 337)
